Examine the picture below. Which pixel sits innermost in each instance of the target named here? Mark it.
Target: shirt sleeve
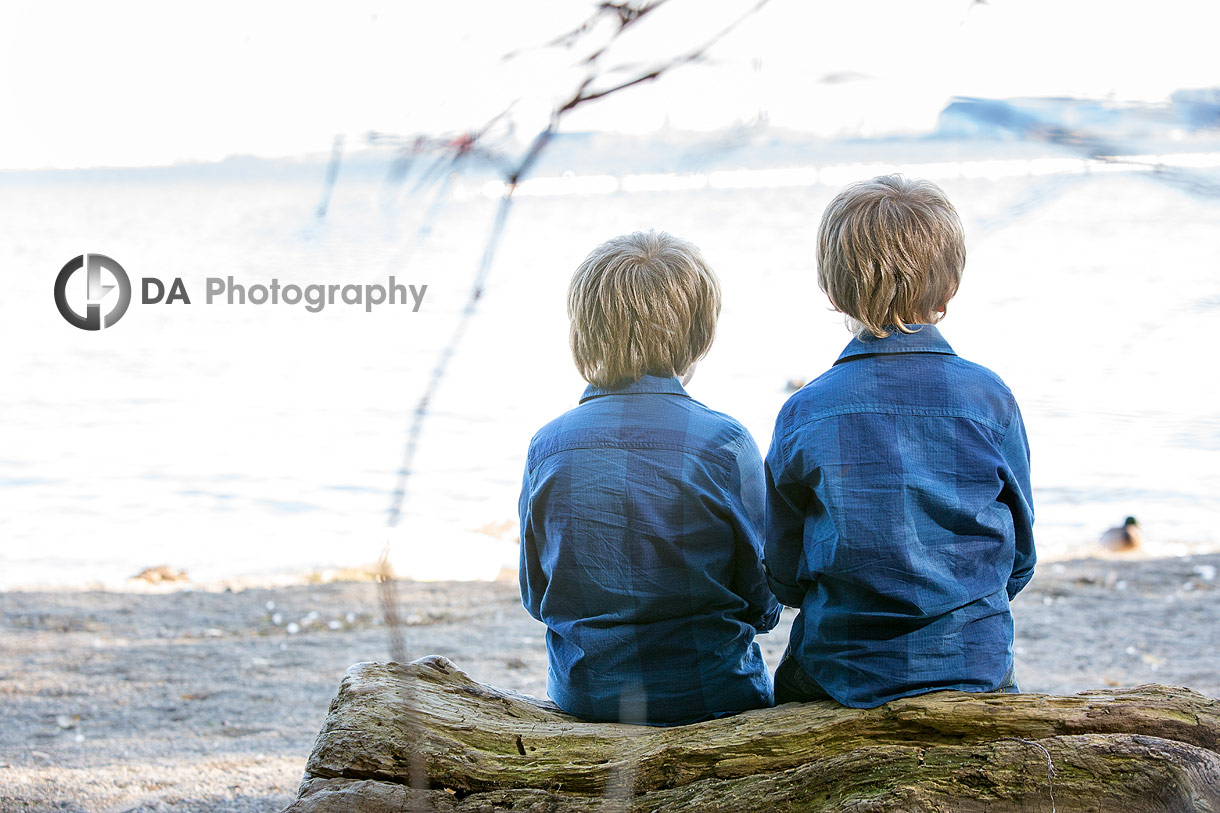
(787, 501)
(533, 581)
(746, 503)
(1018, 496)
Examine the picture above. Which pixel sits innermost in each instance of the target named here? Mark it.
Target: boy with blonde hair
(898, 498)
(642, 510)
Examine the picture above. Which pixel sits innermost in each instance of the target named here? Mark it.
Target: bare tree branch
(628, 14)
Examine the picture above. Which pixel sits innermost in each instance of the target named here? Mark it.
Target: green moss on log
(1142, 749)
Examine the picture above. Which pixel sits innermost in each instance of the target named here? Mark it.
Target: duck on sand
(1126, 537)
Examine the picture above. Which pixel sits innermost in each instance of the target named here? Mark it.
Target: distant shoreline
(1085, 555)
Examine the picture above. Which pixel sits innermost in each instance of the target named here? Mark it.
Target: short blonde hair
(641, 304)
(890, 253)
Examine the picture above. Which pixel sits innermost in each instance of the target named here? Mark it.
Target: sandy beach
(207, 699)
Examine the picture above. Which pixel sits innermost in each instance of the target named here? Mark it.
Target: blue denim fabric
(900, 521)
(641, 550)
(793, 684)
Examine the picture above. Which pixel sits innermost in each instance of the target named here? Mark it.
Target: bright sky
(150, 83)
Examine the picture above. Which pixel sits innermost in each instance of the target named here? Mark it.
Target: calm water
(265, 439)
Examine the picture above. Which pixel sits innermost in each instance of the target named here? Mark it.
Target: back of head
(890, 253)
(641, 304)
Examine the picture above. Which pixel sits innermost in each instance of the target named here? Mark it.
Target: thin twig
(692, 55)
(332, 175)
(620, 784)
(626, 12)
(389, 605)
(1050, 766)
(417, 773)
(441, 367)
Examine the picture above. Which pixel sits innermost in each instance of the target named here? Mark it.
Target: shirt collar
(647, 385)
(925, 339)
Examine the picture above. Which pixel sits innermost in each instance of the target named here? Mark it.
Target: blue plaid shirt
(641, 550)
(900, 521)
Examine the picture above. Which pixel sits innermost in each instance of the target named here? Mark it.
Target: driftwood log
(471, 747)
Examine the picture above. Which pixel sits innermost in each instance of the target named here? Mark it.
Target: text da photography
(314, 296)
(100, 296)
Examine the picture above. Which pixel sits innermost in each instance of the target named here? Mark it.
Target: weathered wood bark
(1152, 748)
